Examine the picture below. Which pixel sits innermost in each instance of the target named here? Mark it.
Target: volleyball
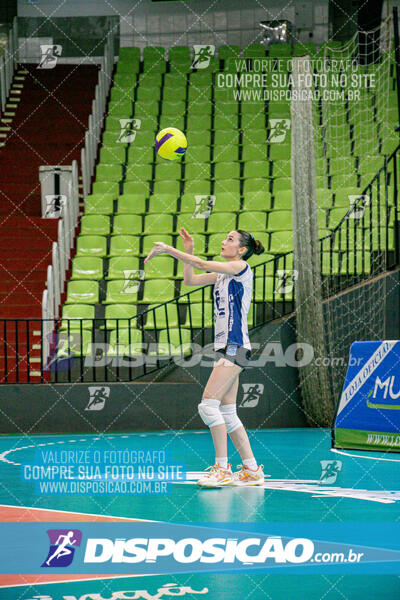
(171, 143)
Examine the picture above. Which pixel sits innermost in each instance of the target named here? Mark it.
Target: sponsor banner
(367, 440)
(160, 548)
(370, 401)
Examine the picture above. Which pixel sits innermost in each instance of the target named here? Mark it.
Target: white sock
(250, 463)
(223, 462)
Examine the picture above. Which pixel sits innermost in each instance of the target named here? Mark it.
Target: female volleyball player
(233, 281)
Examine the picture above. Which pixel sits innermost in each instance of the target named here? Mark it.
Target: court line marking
(95, 578)
(363, 456)
(75, 512)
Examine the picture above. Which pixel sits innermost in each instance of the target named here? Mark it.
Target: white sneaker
(246, 476)
(216, 477)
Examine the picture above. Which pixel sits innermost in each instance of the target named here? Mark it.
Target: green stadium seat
(174, 342)
(160, 268)
(227, 186)
(74, 344)
(136, 187)
(87, 267)
(283, 200)
(201, 107)
(280, 241)
(280, 220)
(139, 173)
(254, 136)
(162, 203)
(173, 108)
(167, 187)
(120, 108)
(140, 157)
(225, 202)
(148, 241)
(281, 183)
(215, 243)
(198, 295)
(279, 110)
(223, 222)
(263, 290)
(254, 121)
(99, 204)
(82, 292)
(157, 318)
(253, 221)
(118, 267)
(227, 170)
(144, 108)
(256, 152)
(191, 223)
(158, 223)
(254, 169)
(197, 318)
(281, 168)
(225, 137)
(355, 263)
(254, 51)
(95, 225)
(257, 201)
(330, 263)
(230, 51)
(194, 95)
(279, 151)
(197, 154)
(226, 153)
(125, 342)
(121, 316)
(112, 155)
(127, 225)
(198, 123)
(172, 121)
(76, 317)
(124, 245)
(200, 186)
(277, 50)
(131, 204)
(91, 245)
(168, 171)
(150, 79)
(301, 49)
(259, 185)
(129, 54)
(196, 170)
(174, 94)
(148, 93)
(225, 121)
(158, 290)
(109, 172)
(122, 291)
(199, 138)
(133, 66)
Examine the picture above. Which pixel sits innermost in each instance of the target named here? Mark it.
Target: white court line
(363, 456)
(75, 512)
(96, 578)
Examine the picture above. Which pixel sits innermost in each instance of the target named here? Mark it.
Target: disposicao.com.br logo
(62, 547)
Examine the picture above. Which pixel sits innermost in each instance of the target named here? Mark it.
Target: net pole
(314, 381)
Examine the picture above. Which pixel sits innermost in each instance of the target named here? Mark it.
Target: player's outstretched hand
(159, 248)
(188, 242)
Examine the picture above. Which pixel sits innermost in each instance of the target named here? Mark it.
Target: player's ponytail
(252, 246)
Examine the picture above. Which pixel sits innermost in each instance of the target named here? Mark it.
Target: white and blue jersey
(232, 297)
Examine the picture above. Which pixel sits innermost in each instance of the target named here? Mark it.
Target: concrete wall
(194, 22)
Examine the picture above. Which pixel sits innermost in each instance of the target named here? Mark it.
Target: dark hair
(253, 246)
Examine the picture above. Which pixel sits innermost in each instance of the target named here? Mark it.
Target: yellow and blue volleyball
(171, 143)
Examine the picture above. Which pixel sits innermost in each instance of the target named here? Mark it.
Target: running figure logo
(330, 471)
(98, 397)
(50, 54)
(202, 56)
(251, 394)
(278, 130)
(62, 547)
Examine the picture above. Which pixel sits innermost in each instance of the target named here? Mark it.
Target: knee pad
(232, 421)
(210, 413)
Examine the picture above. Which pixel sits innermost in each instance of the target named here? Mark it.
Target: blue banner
(368, 415)
(157, 548)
